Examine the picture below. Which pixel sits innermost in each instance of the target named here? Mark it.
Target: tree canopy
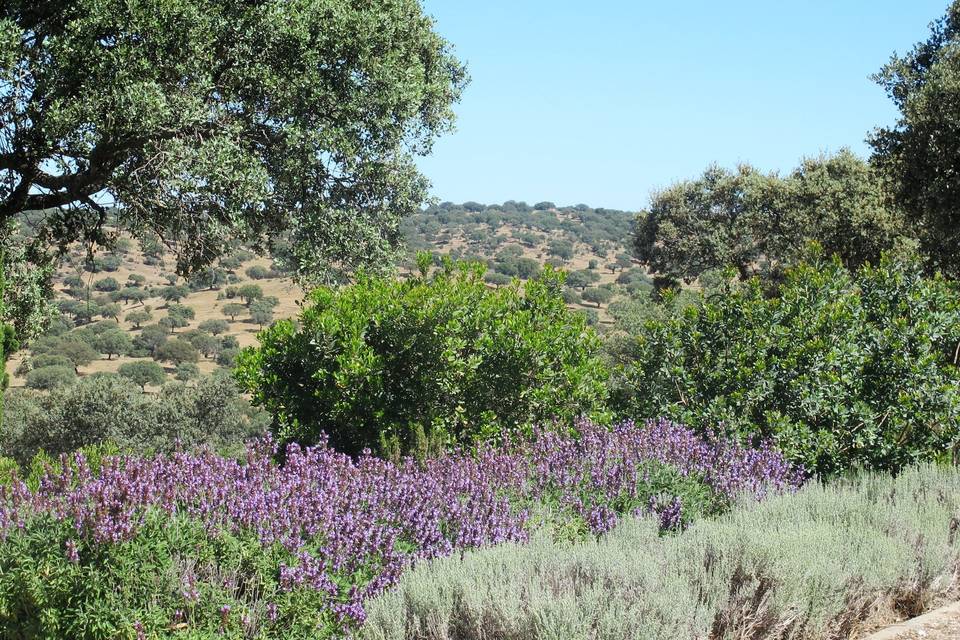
(761, 222)
(202, 121)
(921, 153)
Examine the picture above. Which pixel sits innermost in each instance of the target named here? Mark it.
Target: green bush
(111, 408)
(840, 368)
(113, 589)
(818, 564)
(383, 361)
(51, 377)
(187, 371)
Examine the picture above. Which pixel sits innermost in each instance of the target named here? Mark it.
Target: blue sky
(601, 102)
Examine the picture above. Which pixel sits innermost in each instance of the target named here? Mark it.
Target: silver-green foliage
(816, 564)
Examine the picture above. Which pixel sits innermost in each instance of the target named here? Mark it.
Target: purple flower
(337, 516)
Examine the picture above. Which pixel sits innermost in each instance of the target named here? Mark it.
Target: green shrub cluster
(378, 362)
(117, 590)
(839, 368)
(111, 408)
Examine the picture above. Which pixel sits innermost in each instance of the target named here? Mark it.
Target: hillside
(514, 239)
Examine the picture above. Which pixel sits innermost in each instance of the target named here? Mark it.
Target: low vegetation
(827, 563)
(211, 545)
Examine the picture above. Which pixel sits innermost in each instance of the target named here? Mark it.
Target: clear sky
(601, 102)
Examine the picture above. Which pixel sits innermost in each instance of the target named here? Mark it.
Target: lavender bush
(255, 549)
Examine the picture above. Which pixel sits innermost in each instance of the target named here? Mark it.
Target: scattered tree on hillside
(233, 310)
(177, 352)
(173, 322)
(143, 372)
(174, 293)
(114, 342)
(597, 295)
(582, 278)
(562, 249)
(249, 292)
(261, 312)
(80, 353)
(135, 294)
(215, 327)
(151, 338)
(181, 310)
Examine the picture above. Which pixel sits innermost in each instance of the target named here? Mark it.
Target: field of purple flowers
(254, 548)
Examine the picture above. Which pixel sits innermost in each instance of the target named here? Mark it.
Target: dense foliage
(255, 549)
(921, 153)
(840, 368)
(202, 121)
(759, 223)
(112, 408)
(381, 362)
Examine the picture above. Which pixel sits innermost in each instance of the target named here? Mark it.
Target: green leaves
(761, 223)
(208, 121)
(839, 368)
(919, 154)
(445, 357)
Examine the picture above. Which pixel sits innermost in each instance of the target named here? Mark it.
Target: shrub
(51, 377)
(195, 532)
(187, 371)
(257, 272)
(111, 408)
(840, 369)
(110, 262)
(106, 284)
(817, 564)
(47, 360)
(383, 360)
(228, 357)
